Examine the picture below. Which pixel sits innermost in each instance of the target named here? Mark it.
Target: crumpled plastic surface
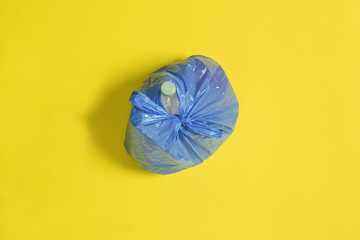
(165, 143)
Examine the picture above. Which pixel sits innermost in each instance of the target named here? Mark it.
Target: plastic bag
(165, 143)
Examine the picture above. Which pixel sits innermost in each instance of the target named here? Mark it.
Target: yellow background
(291, 169)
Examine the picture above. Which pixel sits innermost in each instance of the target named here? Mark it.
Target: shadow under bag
(166, 143)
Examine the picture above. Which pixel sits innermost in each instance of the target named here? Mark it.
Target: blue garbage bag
(166, 143)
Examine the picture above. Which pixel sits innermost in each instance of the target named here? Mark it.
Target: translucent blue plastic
(166, 143)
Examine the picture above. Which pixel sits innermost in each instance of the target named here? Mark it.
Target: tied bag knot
(148, 106)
